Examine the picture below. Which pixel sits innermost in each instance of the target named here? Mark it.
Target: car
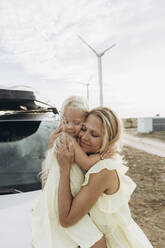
(25, 126)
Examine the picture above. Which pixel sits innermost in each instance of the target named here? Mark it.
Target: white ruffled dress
(46, 229)
(111, 212)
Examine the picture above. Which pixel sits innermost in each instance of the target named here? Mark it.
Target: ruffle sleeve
(112, 203)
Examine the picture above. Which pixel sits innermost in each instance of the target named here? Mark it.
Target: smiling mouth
(84, 144)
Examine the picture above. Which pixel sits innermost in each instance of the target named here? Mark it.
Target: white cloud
(41, 36)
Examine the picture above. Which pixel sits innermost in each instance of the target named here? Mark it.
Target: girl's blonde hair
(74, 102)
(112, 129)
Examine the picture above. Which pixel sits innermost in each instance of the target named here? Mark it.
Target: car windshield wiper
(6, 191)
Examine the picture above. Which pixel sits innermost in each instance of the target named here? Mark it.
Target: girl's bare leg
(100, 244)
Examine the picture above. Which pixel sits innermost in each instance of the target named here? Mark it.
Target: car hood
(10, 201)
(15, 219)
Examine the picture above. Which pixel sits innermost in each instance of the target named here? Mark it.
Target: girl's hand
(109, 152)
(64, 152)
(54, 135)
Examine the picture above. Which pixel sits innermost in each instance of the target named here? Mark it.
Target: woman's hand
(64, 152)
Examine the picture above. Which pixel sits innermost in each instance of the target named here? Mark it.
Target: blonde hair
(112, 129)
(74, 102)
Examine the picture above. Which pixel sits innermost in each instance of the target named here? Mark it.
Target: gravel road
(148, 145)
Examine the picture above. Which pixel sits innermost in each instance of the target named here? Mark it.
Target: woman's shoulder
(111, 202)
(113, 165)
(100, 169)
(110, 164)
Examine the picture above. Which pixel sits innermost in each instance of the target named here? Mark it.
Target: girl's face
(73, 119)
(91, 134)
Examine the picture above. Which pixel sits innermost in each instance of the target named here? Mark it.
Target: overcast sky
(39, 47)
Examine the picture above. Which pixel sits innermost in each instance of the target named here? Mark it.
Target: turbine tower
(87, 89)
(99, 55)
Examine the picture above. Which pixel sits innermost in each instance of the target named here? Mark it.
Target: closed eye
(94, 134)
(77, 122)
(83, 128)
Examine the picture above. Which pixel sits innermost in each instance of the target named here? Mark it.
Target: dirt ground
(148, 200)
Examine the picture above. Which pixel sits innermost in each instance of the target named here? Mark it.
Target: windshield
(22, 149)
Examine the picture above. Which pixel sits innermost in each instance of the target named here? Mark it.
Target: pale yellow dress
(46, 229)
(111, 212)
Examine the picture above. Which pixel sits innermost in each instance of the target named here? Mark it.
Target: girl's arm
(53, 136)
(71, 210)
(84, 161)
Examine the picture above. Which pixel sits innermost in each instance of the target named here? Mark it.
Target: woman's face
(91, 134)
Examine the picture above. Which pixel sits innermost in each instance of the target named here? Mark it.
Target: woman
(106, 191)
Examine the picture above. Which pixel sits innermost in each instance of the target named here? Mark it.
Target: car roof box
(13, 99)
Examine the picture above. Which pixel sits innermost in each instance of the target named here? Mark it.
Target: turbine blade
(87, 44)
(108, 48)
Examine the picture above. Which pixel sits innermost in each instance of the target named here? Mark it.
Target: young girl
(72, 116)
(46, 229)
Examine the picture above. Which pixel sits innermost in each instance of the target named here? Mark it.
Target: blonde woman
(106, 190)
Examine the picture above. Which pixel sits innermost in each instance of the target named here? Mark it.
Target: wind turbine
(99, 55)
(87, 89)
(87, 86)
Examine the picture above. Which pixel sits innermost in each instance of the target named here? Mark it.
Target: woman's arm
(71, 210)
